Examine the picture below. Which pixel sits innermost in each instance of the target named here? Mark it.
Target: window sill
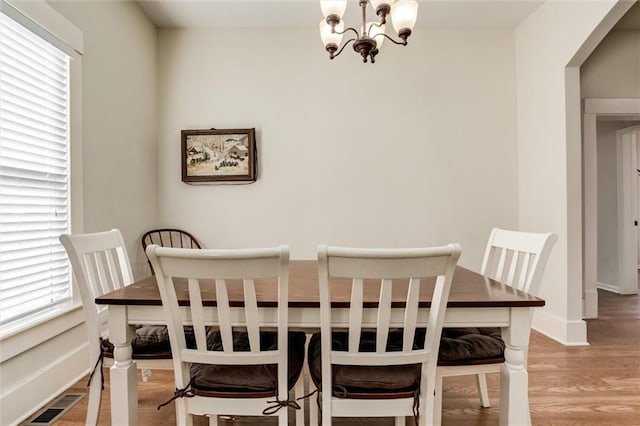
(18, 338)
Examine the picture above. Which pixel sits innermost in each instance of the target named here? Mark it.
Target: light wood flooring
(594, 385)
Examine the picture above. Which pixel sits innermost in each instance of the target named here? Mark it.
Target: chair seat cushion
(247, 381)
(355, 381)
(150, 342)
(461, 346)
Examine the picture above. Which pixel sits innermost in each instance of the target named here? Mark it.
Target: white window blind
(34, 173)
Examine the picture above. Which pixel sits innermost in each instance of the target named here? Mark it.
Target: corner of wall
(569, 333)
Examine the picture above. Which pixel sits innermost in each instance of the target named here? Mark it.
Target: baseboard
(569, 333)
(39, 389)
(608, 287)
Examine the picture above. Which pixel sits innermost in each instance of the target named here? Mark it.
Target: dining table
(474, 301)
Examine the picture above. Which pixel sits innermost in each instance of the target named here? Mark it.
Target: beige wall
(119, 113)
(550, 48)
(613, 69)
(417, 149)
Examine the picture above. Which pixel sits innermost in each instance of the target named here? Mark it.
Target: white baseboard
(39, 389)
(608, 287)
(569, 333)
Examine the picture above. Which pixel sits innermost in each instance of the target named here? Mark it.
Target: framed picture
(227, 155)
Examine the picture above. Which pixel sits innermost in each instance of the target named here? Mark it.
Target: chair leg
(313, 411)
(283, 419)
(298, 391)
(183, 418)
(400, 421)
(213, 420)
(434, 417)
(95, 398)
(481, 379)
(325, 401)
(146, 373)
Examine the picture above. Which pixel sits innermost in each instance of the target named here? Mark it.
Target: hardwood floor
(594, 385)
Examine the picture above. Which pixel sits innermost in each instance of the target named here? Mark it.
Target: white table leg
(122, 375)
(514, 379)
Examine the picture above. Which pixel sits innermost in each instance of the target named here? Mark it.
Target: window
(34, 172)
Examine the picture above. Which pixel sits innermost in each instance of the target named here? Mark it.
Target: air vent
(55, 409)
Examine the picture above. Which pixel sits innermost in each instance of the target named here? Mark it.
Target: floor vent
(55, 409)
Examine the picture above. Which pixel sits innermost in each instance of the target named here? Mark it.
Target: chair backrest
(227, 272)
(517, 258)
(371, 270)
(169, 237)
(100, 264)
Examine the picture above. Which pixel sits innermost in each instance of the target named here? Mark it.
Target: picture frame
(219, 155)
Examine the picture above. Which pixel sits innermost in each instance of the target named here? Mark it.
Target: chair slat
(114, 268)
(384, 315)
(103, 280)
(501, 268)
(524, 272)
(513, 268)
(355, 315)
(197, 314)
(411, 314)
(251, 315)
(224, 315)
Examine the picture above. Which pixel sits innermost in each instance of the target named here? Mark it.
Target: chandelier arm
(348, 29)
(374, 24)
(343, 46)
(401, 43)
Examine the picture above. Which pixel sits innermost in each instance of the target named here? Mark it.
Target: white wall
(549, 50)
(417, 149)
(119, 165)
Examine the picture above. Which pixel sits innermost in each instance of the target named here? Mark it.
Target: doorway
(605, 263)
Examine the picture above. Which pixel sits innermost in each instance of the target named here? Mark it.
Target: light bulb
(329, 37)
(404, 14)
(333, 7)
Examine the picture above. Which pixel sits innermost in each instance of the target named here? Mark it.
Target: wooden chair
(100, 264)
(242, 368)
(169, 237)
(373, 369)
(516, 259)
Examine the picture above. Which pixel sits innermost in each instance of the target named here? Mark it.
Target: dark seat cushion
(355, 381)
(150, 342)
(462, 346)
(247, 381)
(458, 346)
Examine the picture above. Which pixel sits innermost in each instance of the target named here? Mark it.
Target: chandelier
(368, 40)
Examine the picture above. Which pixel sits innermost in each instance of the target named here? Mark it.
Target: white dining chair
(240, 366)
(375, 369)
(513, 258)
(100, 265)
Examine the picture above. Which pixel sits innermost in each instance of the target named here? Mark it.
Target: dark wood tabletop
(469, 289)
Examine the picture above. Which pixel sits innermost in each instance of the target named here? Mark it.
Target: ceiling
(303, 13)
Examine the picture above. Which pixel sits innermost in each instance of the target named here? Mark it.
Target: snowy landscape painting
(218, 155)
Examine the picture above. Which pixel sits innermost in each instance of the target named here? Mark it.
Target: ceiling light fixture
(368, 40)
